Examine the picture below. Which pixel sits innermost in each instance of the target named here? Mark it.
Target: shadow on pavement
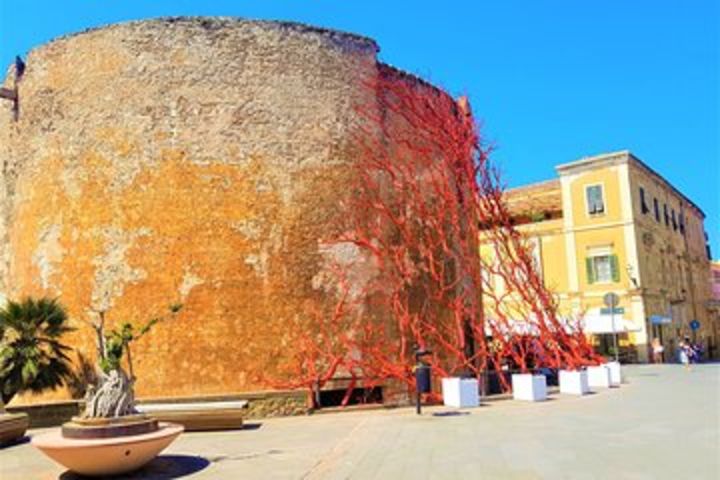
(164, 467)
(13, 443)
(450, 414)
(251, 425)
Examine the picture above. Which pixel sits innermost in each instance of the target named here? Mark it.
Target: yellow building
(612, 224)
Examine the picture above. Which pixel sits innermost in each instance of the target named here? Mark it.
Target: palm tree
(31, 355)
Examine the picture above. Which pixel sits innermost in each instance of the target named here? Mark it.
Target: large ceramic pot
(106, 456)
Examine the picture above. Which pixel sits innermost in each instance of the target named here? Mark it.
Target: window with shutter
(614, 269)
(602, 269)
(589, 270)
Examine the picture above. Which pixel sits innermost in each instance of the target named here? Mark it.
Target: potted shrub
(12, 425)
(32, 356)
(120, 438)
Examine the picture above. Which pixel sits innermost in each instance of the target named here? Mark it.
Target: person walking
(657, 350)
(685, 353)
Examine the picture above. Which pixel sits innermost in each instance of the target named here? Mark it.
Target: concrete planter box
(574, 382)
(615, 373)
(529, 387)
(598, 377)
(460, 392)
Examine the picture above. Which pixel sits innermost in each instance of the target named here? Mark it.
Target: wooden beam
(8, 93)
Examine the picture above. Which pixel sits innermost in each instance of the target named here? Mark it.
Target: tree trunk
(113, 398)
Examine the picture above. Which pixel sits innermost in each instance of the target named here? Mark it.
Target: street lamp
(611, 301)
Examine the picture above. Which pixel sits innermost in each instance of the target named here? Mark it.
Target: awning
(598, 323)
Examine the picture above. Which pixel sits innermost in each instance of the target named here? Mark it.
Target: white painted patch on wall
(112, 271)
(189, 281)
(48, 252)
(347, 259)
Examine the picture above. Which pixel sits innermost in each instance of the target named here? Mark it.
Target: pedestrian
(657, 350)
(685, 352)
(696, 352)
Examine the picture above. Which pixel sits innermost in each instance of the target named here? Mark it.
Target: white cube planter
(574, 382)
(615, 373)
(460, 392)
(598, 377)
(529, 387)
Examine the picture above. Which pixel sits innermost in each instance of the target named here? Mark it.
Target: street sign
(694, 325)
(612, 311)
(660, 320)
(611, 300)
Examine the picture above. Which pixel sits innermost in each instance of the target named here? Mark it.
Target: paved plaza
(663, 423)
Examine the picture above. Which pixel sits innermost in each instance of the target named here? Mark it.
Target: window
(643, 205)
(594, 197)
(682, 224)
(656, 205)
(667, 217)
(707, 246)
(674, 222)
(602, 269)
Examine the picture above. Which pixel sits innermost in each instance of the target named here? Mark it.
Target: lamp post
(611, 301)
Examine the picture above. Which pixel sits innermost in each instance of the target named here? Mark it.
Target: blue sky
(552, 80)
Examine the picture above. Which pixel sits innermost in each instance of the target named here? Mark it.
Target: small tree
(114, 396)
(32, 357)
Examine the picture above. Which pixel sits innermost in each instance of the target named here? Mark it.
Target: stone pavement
(664, 423)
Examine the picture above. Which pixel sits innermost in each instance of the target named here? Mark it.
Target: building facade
(611, 224)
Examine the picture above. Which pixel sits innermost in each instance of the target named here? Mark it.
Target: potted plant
(32, 356)
(12, 425)
(120, 438)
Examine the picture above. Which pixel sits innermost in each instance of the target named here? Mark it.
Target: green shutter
(589, 270)
(614, 268)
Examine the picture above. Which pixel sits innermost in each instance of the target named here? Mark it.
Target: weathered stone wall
(188, 160)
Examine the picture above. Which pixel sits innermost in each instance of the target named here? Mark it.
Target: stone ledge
(49, 414)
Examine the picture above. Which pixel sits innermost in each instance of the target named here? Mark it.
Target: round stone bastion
(199, 161)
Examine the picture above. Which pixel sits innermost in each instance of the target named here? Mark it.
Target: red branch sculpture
(425, 200)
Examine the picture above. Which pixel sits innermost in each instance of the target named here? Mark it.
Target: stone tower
(192, 160)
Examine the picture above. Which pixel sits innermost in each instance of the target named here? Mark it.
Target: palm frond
(32, 356)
